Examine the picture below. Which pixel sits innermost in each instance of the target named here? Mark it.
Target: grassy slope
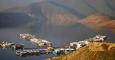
(95, 51)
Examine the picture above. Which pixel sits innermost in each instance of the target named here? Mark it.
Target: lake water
(8, 54)
(11, 35)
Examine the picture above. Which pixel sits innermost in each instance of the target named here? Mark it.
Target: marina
(21, 51)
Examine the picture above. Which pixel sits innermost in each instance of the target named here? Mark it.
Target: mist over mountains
(60, 21)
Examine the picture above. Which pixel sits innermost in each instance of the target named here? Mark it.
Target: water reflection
(9, 54)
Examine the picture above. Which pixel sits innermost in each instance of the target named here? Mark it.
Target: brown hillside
(95, 22)
(95, 51)
(110, 25)
(99, 22)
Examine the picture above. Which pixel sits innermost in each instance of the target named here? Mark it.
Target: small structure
(18, 46)
(98, 38)
(6, 44)
(79, 44)
(11, 45)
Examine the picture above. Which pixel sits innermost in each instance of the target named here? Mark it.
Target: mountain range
(62, 20)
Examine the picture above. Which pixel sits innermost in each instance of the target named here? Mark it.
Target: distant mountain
(99, 22)
(11, 20)
(110, 25)
(58, 20)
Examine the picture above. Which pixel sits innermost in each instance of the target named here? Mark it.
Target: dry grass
(95, 51)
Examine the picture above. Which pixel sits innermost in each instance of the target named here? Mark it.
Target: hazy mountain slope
(99, 22)
(110, 25)
(58, 20)
(10, 20)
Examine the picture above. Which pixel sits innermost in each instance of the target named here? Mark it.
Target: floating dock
(31, 52)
